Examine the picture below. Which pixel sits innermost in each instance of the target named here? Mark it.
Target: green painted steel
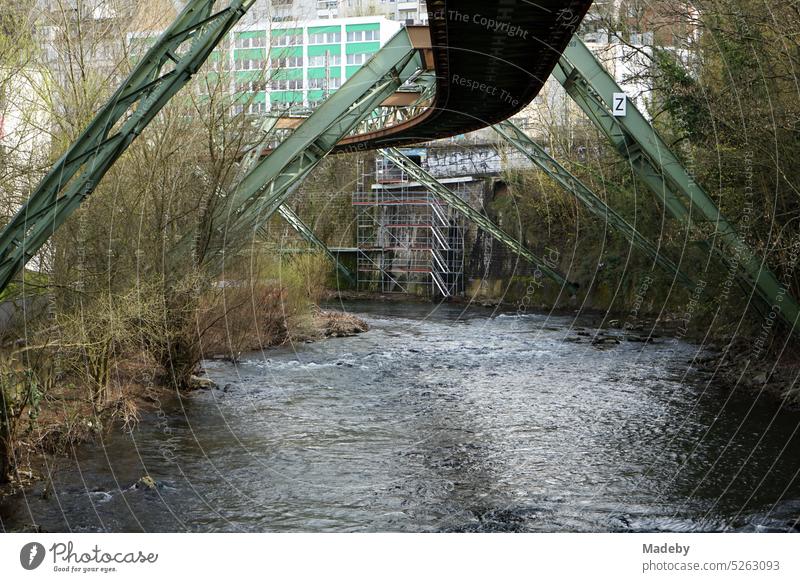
(592, 88)
(164, 69)
(267, 128)
(483, 221)
(539, 156)
(268, 184)
(578, 77)
(296, 223)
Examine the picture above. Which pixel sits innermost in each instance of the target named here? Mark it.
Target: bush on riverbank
(279, 306)
(102, 361)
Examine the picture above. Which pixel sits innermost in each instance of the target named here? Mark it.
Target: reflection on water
(442, 420)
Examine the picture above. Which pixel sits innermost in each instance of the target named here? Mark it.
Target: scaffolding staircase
(409, 239)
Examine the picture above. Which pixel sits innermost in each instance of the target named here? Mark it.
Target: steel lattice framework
(593, 88)
(270, 182)
(165, 68)
(455, 201)
(548, 164)
(308, 233)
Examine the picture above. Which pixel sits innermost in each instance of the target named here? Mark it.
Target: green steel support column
(269, 182)
(579, 86)
(537, 154)
(287, 213)
(257, 151)
(592, 88)
(430, 182)
(157, 77)
(296, 223)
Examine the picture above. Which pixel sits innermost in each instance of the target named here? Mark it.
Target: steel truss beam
(430, 182)
(423, 88)
(267, 127)
(268, 184)
(592, 88)
(158, 76)
(377, 119)
(539, 156)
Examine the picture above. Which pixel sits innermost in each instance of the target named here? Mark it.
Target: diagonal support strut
(592, 88)
(429, 181)
(155, 79)
(539, 156)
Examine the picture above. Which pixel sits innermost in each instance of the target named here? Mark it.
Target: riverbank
(138, 390)
(774, 377)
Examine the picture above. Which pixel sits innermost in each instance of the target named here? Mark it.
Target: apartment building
(300, 10)
(298, 63)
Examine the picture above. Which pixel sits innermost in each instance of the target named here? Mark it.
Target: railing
(439, 262)
(440, 284)
(439, 221)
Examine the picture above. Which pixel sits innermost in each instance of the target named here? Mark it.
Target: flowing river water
(441, 419)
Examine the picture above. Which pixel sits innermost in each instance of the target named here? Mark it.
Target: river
(441, 419)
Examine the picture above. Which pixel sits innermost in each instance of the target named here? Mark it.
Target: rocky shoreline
(733, 368)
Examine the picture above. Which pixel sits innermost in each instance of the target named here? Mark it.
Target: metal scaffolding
(409, 239)
(458, 204)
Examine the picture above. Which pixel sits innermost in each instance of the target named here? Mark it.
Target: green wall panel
(323, 29)
(367, 26)
(286, 51)
(362, 47)
(249, 53)
(318, 50)
(319, 72)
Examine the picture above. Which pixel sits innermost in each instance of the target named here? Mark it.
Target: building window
(248, 64)
(322, 60)
(288, 40)
(286, 84)
(325, 38)
(321, 83)
(254, 42)
(257, 108)
(251, 86)
(286, 62)
(363, 35)
(358, 58)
